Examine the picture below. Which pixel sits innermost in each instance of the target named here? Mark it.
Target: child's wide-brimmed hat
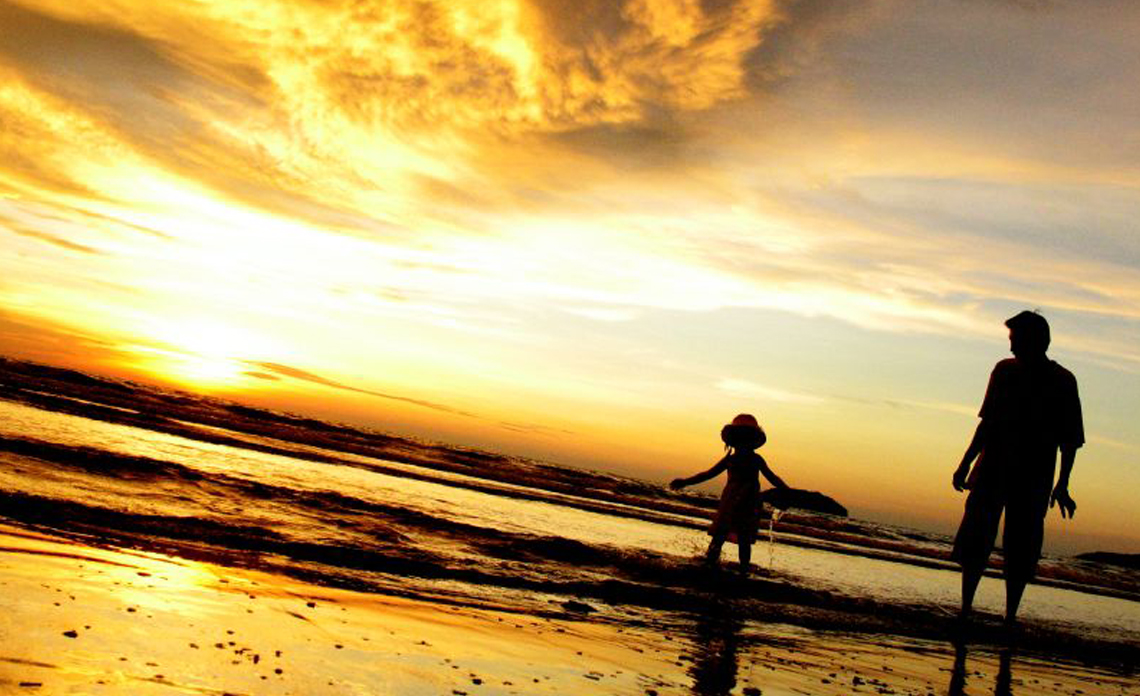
(743, 431)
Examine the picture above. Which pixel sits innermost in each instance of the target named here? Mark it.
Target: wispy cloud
(52, 239)
(306, 376)
(30, 336)
(275, 371)
(751, 390)
(604, 313)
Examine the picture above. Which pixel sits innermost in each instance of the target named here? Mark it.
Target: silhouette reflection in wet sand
(738, 514)
(717, 642)
(959, 675)
(1030, 411)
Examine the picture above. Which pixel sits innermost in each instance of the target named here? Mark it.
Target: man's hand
(677, 484)
(1061, 497)
(960, 483)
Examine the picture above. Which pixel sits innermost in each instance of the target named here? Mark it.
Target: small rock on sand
(575, 605)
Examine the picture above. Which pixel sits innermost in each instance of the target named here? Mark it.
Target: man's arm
(1073, 438)
(1061, 490)
(991, 409)
(972, 451)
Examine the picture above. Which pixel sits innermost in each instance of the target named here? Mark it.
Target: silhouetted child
(738, 514)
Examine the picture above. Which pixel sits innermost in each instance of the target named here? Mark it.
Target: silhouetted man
(1031, 410)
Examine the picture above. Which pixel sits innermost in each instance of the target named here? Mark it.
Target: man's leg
(974, 542)
(1021, 541)
(971, 576)
(1014, 588)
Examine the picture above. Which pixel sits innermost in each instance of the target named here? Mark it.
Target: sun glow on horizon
(201, 352)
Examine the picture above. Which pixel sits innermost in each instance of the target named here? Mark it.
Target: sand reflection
(959, 674)
(717, 642)
(167, 586)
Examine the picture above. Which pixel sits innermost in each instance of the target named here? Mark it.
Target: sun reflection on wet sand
(106, 621)
(76, 618)
(139, 580)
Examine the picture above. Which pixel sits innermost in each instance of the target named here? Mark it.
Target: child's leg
(712, 556)
(745, 558)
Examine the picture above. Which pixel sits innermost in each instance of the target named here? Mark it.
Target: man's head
(1028, 334)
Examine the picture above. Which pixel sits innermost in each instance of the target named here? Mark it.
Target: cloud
(306, 376)
(262, 375)
(94, 219)
(751, 390)
(274, 371)
(531, 429)
(510, 66)
(606, 157)
(24, 138)
(291, 105)
(31, 337)
(945, 407)
(125, 81)
(605, 314)
(82, 54)
(52, 239)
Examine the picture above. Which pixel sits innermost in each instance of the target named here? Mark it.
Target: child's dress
(738, 514)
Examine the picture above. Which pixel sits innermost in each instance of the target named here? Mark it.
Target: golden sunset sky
(593, 231)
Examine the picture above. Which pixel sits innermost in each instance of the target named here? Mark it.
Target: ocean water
(395, 526)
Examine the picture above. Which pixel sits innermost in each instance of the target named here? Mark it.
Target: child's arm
(679, 483)
(771, 475)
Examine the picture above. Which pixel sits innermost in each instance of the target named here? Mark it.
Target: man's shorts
(1021, 537)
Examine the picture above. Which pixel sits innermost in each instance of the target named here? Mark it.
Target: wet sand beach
(77, 618)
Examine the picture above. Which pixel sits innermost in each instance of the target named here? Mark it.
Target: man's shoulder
(1059, 368)
(1009, 366)
(1062, 374)
(1006, 366)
